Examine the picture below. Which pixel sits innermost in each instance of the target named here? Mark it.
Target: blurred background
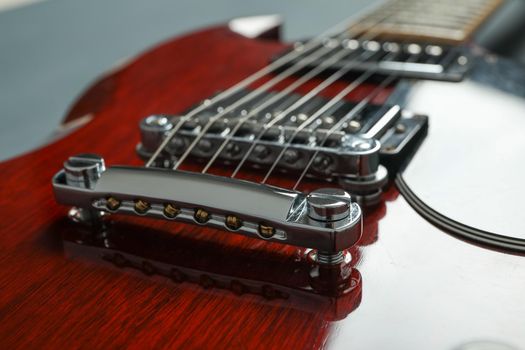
(51, 50)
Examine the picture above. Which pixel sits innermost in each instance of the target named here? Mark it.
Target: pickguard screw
(400, 128)
(462, 60)
(141, 206)
(112, 203)
(201, 216)
(233, 222)
(266, 231)
(170, 210)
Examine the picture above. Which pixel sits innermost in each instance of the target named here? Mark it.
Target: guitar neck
(444, 21)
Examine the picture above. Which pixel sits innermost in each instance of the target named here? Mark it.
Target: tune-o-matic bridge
(404, 59)
(350, 155)
(326, 219)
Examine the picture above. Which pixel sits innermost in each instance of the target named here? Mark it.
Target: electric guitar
(360, 189)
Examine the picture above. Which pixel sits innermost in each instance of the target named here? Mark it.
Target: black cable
(469, 233)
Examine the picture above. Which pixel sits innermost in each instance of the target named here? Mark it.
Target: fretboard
(439, 21)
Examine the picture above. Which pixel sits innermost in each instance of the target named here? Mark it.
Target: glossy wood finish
(419, 288)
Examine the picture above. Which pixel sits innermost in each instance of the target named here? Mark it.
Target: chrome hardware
(83, 171)
(349, 156)
(325, 220)
(328, 204)
(153, 129)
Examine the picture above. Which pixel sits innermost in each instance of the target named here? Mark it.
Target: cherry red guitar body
(414, 286)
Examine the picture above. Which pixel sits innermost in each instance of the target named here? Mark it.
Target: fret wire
(427, 20)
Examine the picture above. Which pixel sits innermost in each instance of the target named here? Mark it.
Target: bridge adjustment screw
(233, 222)
(112, 203)
(170, 210)
(201, 216)
(266, 231)
(141, 206)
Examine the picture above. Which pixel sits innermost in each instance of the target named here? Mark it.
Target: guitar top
(225, 190)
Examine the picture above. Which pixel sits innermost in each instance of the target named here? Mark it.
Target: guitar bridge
(326, 219)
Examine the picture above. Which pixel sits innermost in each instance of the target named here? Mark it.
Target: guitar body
(415, 286)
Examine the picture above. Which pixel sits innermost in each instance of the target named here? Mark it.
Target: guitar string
(338, 29)
(225, 94)
(359, 80)
(339, 97)
(311, 94)
(350, 115)
(250, 96)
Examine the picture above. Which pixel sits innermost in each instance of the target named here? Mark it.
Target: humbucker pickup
(326, 219)
(404, 59)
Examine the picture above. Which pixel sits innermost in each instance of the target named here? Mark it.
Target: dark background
(50, 51)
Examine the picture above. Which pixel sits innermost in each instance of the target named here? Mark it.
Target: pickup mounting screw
(233, 222)
(112, 203)
(400, 128)
(170, 210)
(266, 231)
(141, 206)
(201, 216)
